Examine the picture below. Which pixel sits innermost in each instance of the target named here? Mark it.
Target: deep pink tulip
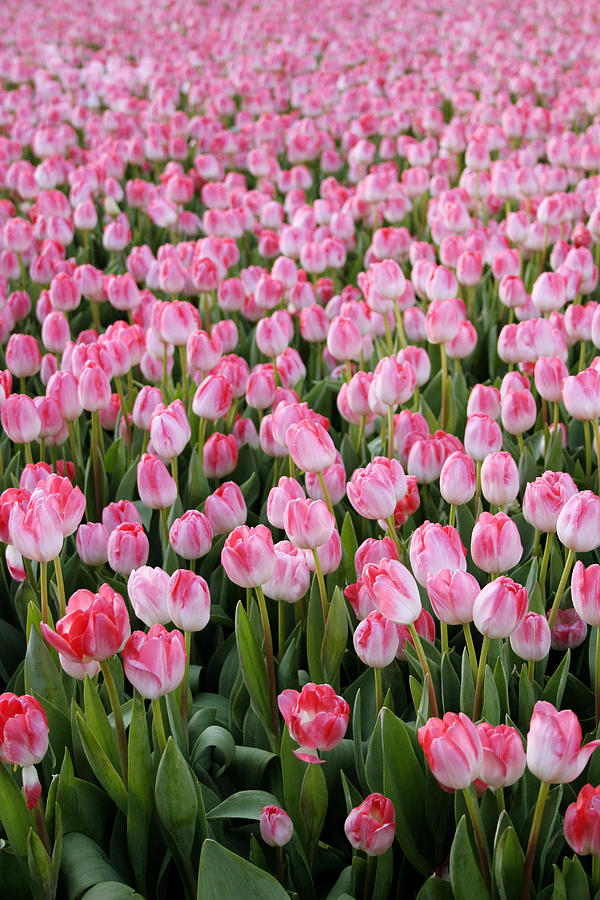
(23, 739)
(495, 543)
(371, 827)
(95, 627)
(154, 662)
(220, 455)
(569, 630)
(127, 548)
(500, 607)
(503, 755)
(582, 822)
(434, 547)
(376, 641)
(156, 487)
(213, 398)
(453, 749)
(316, 717)
(554, 752)
(392, 590)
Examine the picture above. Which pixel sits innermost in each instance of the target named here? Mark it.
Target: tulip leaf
(404, 783)
(491, 701)
(450, 684)
(39, 864)
(101, 765)
(315, 632)
(465, 875)
(359, 760)
(84, 864)
(224, 874)
(176, 802)
(467, 685)
(127, 485)
(254, 670)
(84, 807)
(349, 547)
(13, 813)
(334, 639)
(111, 890)
(292, 773)
(313, 801)
(97, 720)
(576, 881)
(555, 688)
(197, 484)
(42, 677)
(435, 888)
(140, 793)
(508, 864)
(243, 805)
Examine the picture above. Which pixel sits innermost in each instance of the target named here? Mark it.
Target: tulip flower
(316, 717)
(371, 827)
(23, 739)
(276, 827)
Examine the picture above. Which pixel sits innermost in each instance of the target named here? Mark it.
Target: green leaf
(13, 813)
(465, 876)
(39, 863)
(576, 881)
(349, 548)
(526, 700)
(111, 890)
(554, 690)
(292, 773)
(313, 801)
(197, 484)
(128, 484)
(101, 765)
(467, 685)
(508, 865)
(243, 805)
(404, 783)
(176, 801)
(84, 864)
(491, 701)
(224, 874)
(97, 720)
(450, 683)
(84, 807)
(42, 677)
(140, 791)
(435, 889)
(315, 633)
(335, 638)
(254, 670)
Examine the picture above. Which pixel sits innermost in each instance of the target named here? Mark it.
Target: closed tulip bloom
(156, 487)
(569, 630)
(154, 663)
(220, 455)
(37, 531)
(344, 340)
(495, 543)
(549, 292)
(424, 625)
(20, 419)
(95, 627)
(393, 382)
(582, 822)
(213, 398)
(279, 496)
(531, 640)
(554, 752)
(453, 749)
(585, 592)
(482, 436)
(376, 641)
(504, 757)
(94, 388)
(24, 739)
(581, 394)
(276, 827)
(372, 493)
(68, 501)
(484, 399)
(392, 590)
(291, 577)
(188, 600)
(371, 827)
(191, 534)
(128, 548)
(178, 320)
(443, 321)
(500, 607)
(122, 511)
(434, 547)
(452, 595)
(272, 336)
(225, 508)
(308, 523)
(317, 719)
(146, 402)
(92, 543)
(63, 388)
(549, 375)
(519, 411)
(248, 556)
(147, 588)
(499, 478)
(426, 459)
(310, 446)
(23, 357)
(169, 429)
(544, 499)
(578, 523)
(419, 360)
(457, 479)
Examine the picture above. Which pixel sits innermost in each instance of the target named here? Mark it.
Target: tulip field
(299, 456)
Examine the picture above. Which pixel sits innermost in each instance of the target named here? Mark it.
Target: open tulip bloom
(300, 317)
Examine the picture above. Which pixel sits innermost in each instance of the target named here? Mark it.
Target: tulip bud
(276, 828)
(371, 827)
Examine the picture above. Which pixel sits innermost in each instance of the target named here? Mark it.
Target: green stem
(477, 487)
(322, 587)
(444, 636)
(96, 464)
(117, 714)
(60, 584)
(536, 542)
(588, 452)
(500, 800)
(40, 826)
(183, 704)
(561, 587)
(521, 444)
(391, 530)
(270, 661)
(391, 432)
(433, 707)
(399, 326)
(28, 454)
(201, 432)
(378, 690)
(545, 561)
(370, 877)
(444, 362)
(184, 376)
(280, 627)
(597, 437)
(470, 648)
(595, 874)
(159, 725)
(597, 678)
(479, 837)
(165, 527)
(480, 673)
(325, 493)
(533, 839)
(175, 473)
(44, 592)
(452, 515)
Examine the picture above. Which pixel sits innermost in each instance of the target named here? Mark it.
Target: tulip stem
(597, 438)
(444, 636)
(201, 432)
(60, 584)
(184, 376)
(279, 864)
(470, 648)
(536, 541)
(479, 838)
(545, 561)
(588, 452)
(399, 326)
(480, 673)
(378, 690)
(44, 591)
(280, 627)
(175, 473)
(326, 496)
(391, 432)
(183, 703)
(595, 874)
(28, 454)
(597, 678)
(521, 444)
(433, 707)
(561, 587)
(124, 410)
(444, 361)
(452, 515)
(500, 800)
(533, 839)
(113, 696)
(40, 826)
(96, 463)
(370, 877)
(391, 529)
(477, 487)
(322, 587)
(159, 725)
(270, 661)
(165, 526)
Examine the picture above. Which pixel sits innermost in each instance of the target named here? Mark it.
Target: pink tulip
(92, 543)
(452, 595)
(20, 419)
(37, 530)
(225, 508)
(248, 556)
(220, 455)
(154, 662)
(457, 479)
(531, 639)
(23, 739)
(453, 749)
(392, 590)
(582, 822)
(482, 436)
(376, 641)
(316, 717)
(544, 499)
(499, 478)
(95, 627)
(310, 446)
(291, 577)
(585, 592)
(276, 827)
(554, 752)
(500, 607)
(503, 755)
(127, 548)
(169, 429)
(191, 535)
(434, 547)
(147, 588)
(495, 543)
(569, 630)
(213, 398)
(188, 600)
(578, 523)
(371, 827)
